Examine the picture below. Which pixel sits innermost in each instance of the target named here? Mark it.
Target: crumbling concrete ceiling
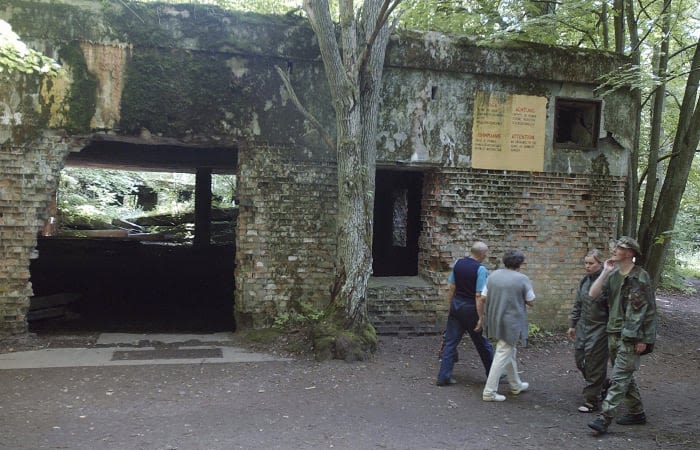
(126, 153)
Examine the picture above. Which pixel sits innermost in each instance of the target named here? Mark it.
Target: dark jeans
(463, 318)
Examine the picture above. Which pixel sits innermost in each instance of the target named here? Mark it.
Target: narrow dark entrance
(396, 223)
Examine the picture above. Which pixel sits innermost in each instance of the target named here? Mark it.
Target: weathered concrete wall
(202, 75)
(429, 97)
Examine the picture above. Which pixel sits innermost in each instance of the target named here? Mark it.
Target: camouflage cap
(628, 242)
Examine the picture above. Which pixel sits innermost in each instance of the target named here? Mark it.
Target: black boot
(632, 419)
(600, 424)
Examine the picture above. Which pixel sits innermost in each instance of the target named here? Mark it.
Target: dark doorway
(143, 279)
(396, 223)
(122, 285)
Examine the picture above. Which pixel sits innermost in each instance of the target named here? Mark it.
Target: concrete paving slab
(136, 338)
(118, 349)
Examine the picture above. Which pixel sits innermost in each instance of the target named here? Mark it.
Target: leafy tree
(354, 63)
(656, 240)
(91, 198)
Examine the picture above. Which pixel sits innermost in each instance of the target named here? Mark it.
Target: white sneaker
(493, 397)
(522, 388)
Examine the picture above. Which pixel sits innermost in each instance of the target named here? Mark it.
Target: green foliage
(677, 268)
(479, 18)
(302, 316)
(689, 265)
(94, 197)
(535, 331)
(16, 56)
(574, 22)
(94, 194)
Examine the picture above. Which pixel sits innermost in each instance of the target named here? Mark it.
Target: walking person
(589, 318)
(631, 331)
(467, 280)
(508, 292)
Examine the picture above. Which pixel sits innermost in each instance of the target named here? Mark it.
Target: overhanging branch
(307, 115)
(668, 156)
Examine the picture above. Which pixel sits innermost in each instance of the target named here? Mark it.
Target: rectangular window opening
(576, 123)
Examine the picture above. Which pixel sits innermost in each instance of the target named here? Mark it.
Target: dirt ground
(390, 402)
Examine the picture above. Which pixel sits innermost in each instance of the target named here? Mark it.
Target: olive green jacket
(631, 305)
(589, 316)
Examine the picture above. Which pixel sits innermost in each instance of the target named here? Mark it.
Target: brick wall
(554, 218)
(405, 306)
(285, 240)
(28, 177)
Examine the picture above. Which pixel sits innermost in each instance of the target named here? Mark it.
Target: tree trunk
(605, 30)
(629, 220)
(619, 25)
(657, 113)
(354, 77)
(684, 146)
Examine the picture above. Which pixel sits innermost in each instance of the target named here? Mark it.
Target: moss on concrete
(37, 20)
(176, 93)
(80, 104)
(263, 335)
(209, 27)
(27, 126)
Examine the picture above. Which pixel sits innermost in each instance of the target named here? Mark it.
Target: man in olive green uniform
(631, 330)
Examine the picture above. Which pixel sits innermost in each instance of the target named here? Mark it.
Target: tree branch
(307, 115)
(320, 19)
(662, 158)
(388, 7)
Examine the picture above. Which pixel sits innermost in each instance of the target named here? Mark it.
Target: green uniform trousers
(591, 355)
(625, 362)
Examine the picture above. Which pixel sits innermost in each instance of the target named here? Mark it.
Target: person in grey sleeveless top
(507, 294)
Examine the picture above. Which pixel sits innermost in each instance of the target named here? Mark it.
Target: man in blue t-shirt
(467, 281)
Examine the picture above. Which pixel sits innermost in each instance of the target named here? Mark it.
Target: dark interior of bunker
(123, 280)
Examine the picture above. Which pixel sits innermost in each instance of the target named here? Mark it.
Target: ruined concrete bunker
(512, 144)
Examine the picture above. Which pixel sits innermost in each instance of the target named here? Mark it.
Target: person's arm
(451, 293)
(640, 312)
(597, 286)
(480, 307)
(575, 314)
(453, 287)
(530, 294)
(481, 277)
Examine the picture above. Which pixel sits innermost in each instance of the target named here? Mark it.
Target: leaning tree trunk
(685, 145)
